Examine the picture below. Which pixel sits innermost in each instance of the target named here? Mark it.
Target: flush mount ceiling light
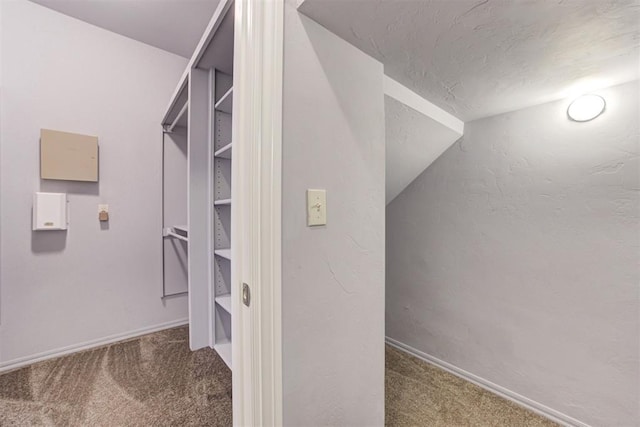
(586, 107)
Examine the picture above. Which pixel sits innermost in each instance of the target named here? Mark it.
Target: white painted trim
(256, 169)
(510, 395)
(411, 99)
(87, 345)
(199, 210)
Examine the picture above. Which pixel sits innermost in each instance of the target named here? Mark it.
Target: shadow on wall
(70, 187)
(344, 86)
(48, 241)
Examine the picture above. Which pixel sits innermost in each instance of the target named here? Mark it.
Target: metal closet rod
(177, 294)
(177, 236)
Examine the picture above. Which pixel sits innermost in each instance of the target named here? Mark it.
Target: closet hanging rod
(177, 236)
(177, 294)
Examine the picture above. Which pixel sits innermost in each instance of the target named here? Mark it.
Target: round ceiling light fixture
(585, 108)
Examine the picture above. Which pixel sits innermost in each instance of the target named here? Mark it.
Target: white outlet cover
(103, 208)
(316, 207)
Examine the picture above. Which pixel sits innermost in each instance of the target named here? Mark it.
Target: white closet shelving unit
(223, 120)
(202, 106)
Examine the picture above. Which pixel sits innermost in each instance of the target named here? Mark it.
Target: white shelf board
(222, 202)
(224, 253)
(224, 301)
(225, 104)
(224, 350)
(224, 152)
(215, 49)
(181, 119)
(178, 99)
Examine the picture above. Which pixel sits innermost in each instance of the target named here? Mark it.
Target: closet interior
(197, 187)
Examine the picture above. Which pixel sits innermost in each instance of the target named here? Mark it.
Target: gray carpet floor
(155, 380)
(420, 394)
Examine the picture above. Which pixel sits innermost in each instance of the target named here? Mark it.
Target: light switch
(316, 207)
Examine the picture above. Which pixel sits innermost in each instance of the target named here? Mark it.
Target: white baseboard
(514, 397)
(39, 357)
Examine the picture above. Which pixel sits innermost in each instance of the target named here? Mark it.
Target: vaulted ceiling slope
(172, 25)
(477, 58)
(413, 142)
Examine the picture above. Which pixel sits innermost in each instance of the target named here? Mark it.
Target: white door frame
(257, 153)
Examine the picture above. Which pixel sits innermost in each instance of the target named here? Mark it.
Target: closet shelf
(224, 152)
(224, 301)
(224, 350)
(225, 104)
(178, 100)
(224, 253)
(202, 105)
(181, 118)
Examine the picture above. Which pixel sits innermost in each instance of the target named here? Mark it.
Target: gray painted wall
(333, 276)
(64, 289)
(515, 256)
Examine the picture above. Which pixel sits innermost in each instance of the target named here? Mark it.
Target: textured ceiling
(172, 25)
(484, 57)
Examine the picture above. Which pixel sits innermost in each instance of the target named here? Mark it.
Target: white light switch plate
(103, 208)
(316, 207)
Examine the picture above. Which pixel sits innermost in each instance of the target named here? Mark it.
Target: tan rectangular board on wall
(68, 156)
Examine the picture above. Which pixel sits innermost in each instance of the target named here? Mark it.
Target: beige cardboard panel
(68, 156)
